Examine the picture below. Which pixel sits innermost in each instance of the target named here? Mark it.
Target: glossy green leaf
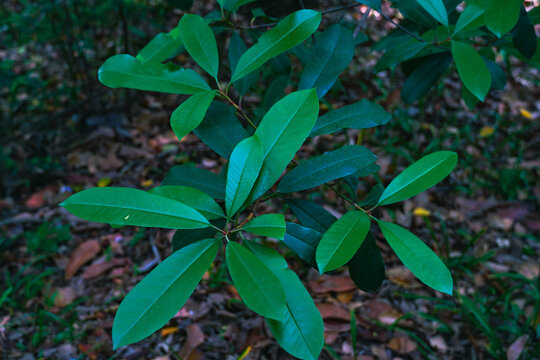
(436, 9)
(303, 241)
(524, 35)
(373, 196)
(471, 69)
(258, 287)
(330, 166)
(330, 55)
(417, 257)
(271, 225)
(342, 240)
(160, 48)
(200, 42)
(502, 15)
(220, 129)
(288, 33)
(374, 4)
(159, 296)
(419, 176)
(362, 114)
(311, 215)
(426, 74)
(282, 131)
(244, 166)
(301, 331)
(200, 201)
(414, 12)
(192, 176)
(403, 50)
(127, 206)
(237, 47)
(190, 113)
(366, 267)
(185, 237)
(471, 18)
(124, 71)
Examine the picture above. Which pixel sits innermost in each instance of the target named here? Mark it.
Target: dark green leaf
(124, 71)
(200, 42)
(200, 201)
(289, 32)
(412, 11)
(204, 180)
(221, 130)
(330, 166)
(232, 5)
(436, 9)
(471, 69)
(244, 167)
(236, 48)
(282, 131)
(342, 240)
(360, 115)
(311, 214)
(273, 93)
(419, 176)
(127, 206)
(303, 241)
(190, 113)
(271, 225)
(403, 50)
(366, 267)
(523, 35)
(373, 196)
(258, 287)
(330, 55)
(160, 295)
(160, 48)
(502, 15)
(185, 237)
(417, 257)
(498, 76)
(426, 74)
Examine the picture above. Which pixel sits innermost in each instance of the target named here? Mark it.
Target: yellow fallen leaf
(525, 114)
(486, 131)
(147, 183)
(324, 107)
(104, 181)
(169, 330)
(245, 353)
(420, 211)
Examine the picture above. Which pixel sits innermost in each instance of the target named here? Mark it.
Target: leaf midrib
(342, 240)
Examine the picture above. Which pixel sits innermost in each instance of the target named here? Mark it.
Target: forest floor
(63, 278)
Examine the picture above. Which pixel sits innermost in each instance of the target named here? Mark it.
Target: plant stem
(237, 107)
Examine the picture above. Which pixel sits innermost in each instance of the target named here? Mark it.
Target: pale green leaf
(190, 113)
(192, 176)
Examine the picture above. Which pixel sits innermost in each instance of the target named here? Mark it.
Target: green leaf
(498, 75)
(236, 48)
(289, 32)
(366, 267)
(258, 287)
(471, 69)
(362, 114)
(426, 74)
(190, 113)
(341, 241)
(502, 15)
(124, 71)
(160, 48)
(232, 5)
(470, 18)
(311, 215)
(244, 166)
(192, 176)
(301, 331)
(200, 201)
(185, 237)
(330, 55)
(414, 12)
(419, 176)
(271, 225)
(330, 166)
(403, 50)
(373, 196)
(221, 130)
(417, 257)
(127, 206)
(200, 42)
(159, 296)
(524, 35)
(303, 241)
(282, 131)
(436, 9)
(374, 4)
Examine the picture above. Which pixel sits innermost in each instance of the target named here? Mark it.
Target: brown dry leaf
(82, 254)
(64, 296)
(403, 277)
(39, 198)
(345, 297)
(402, 345)
(331, 311)
(515, 350)
(101, 267)
(530, 270)
(438, 343)
(532, 221)
(327, 284)
(195, 337)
